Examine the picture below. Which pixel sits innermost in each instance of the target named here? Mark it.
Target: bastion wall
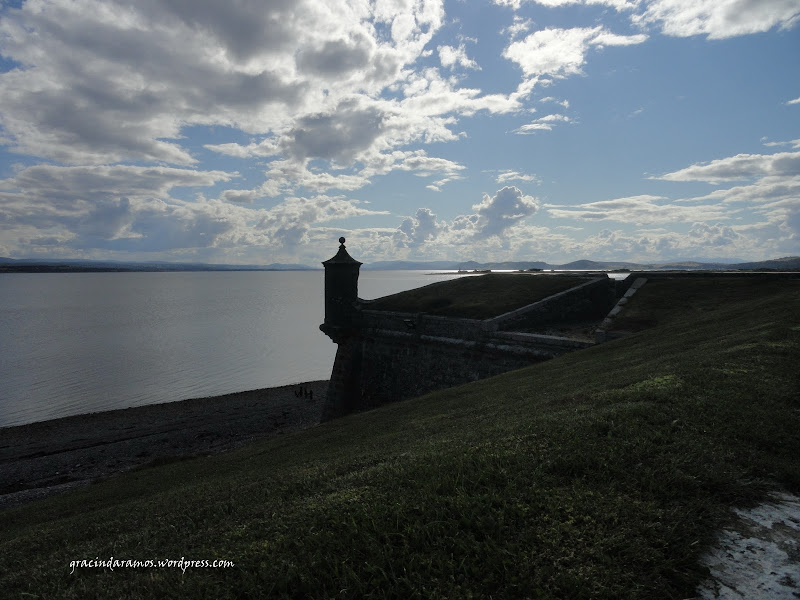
(386, 356)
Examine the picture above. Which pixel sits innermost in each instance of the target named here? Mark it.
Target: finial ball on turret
(341, 240)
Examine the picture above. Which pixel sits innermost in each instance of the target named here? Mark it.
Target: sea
(76, 343)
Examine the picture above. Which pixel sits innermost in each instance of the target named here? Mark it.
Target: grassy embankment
(601, 474)
(478, 297)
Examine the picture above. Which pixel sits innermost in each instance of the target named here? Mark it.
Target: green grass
(478, 297)
(601, 474)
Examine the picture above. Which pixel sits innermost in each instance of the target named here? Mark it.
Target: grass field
(601, 474)
(478, 297)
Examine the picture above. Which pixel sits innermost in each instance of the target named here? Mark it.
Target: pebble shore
(49, 457)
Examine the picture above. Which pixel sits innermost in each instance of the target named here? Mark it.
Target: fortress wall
(421, 324)
(385, 356)
(384, 360)
(386, 366)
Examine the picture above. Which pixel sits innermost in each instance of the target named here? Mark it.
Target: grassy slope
(478, 297)
(602, 474)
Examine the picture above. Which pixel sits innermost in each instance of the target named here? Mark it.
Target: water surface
(72, 343)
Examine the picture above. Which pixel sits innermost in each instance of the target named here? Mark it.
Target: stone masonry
(386, 356)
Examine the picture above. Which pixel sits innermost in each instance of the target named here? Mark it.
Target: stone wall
(386, 356)
(383, 366)
(391, 356)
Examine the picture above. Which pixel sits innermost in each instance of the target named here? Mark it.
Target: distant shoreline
(73, 269)
(52, 265)
(48, 457)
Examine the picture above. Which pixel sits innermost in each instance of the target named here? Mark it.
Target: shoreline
(44, 458)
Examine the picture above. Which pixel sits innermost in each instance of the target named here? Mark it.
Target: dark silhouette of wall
(386, 356)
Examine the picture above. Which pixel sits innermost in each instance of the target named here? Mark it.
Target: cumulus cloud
(289, 222)
(717, 234)
(129, 209)
(330, 93)
(772, 191)
(420, 228)
(497, 213)
(339, 135)
(719, 19)
(494, 217)
(659, 245)
(518, 27)
(451, 57)
(562, 52)
(108, 82)
(122, 208)
(57, 184)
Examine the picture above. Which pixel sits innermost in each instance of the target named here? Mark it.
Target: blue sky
(260, 131)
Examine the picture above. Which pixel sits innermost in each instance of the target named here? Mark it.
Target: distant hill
(789, 263)
(287, 267)
(590, 265)
(505, 266)
(397, 265)
(34, 265)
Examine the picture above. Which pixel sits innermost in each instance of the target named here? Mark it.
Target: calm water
(74, 343)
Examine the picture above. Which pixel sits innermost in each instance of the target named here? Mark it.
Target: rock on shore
(42, 459)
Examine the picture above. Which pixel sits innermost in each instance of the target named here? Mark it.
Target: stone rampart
(385, 356)
(388, 365)
(421, 323)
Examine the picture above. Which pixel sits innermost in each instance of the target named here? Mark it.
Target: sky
(259, 131)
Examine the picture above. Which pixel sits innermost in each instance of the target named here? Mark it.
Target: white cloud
(56, 184)
(497, 213)
(129, 209)
(545, 123)
(109, 81)
(451, 57)
(268, 147)
(639, 210)
(713, 235)
(795, 101)
(509, 175)
(763, 192)
(290, 222)
(616, 4)
(562, 52)
(564, 103)
(557, 52)
(494, 217)
(719, 19)
(420, 228)
(739, 167)
(699, 241)
(518, 27)
(792, 143)
(606, 38)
